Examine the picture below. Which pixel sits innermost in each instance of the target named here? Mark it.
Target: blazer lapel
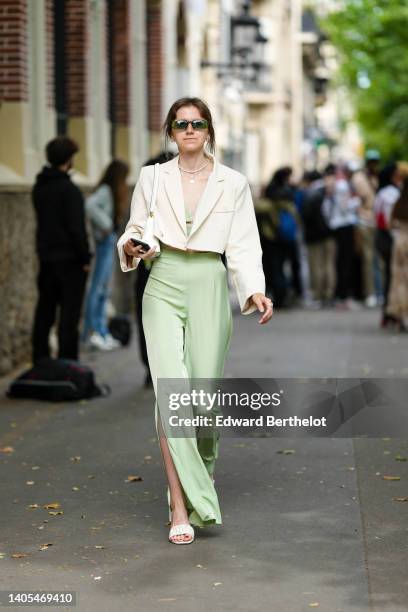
(211, 195)
(174, 190)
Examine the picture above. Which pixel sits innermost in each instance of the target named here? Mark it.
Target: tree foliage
(371, 37)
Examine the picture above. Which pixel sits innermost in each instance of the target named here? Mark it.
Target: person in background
(63, 252)
(390, 180)
(340, 209)
(142, 277)
(301, 192)
(282, 241)
(105, 208)
(321, 247)
(303, 189)
(365, 184)
(398, 295)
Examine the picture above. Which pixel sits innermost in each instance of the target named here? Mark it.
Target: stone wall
(18, 272)
(18, 275)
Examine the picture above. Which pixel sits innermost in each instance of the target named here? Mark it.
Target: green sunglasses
(196, 124)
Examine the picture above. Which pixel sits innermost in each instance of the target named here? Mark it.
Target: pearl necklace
(192, 178)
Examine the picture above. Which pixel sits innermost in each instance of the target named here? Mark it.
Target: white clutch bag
(148, 232)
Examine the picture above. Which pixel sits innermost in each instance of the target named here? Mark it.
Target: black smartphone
(144, 245)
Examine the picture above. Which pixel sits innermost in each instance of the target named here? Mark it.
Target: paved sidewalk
(315, 526)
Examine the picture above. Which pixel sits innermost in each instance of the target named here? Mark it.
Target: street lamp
(244, 32)
(246, 51)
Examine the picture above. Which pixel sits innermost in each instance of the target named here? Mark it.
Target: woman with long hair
(387, 195)
(203, 209)
(282, 245)
(106, 208)
(398, 294)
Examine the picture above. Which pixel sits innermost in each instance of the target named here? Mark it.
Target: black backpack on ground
(121, 329)
(57, 380)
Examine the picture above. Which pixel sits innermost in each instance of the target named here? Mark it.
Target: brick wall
(120, 61)
(13, 51)
(77, 52)
(154, 63)
(49, 34)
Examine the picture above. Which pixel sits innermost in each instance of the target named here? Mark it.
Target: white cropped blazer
(224, 222)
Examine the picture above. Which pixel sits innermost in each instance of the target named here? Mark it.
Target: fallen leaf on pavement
(167, 599)
(400, 458)
(56, 513)
(391, 477)
(402, 499)
(33, 506)
(19, 555)
(7, 449)
(134, 478)
(52, 506)
(45, 546)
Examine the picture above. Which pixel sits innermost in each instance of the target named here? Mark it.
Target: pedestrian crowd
(338, 238)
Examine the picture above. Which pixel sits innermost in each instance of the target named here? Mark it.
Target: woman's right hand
(136, 251)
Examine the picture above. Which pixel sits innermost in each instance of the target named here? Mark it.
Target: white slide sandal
(183, 529)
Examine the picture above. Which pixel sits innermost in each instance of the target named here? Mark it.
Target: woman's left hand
(264, 304)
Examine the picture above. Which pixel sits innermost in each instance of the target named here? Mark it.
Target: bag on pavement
(57, 380)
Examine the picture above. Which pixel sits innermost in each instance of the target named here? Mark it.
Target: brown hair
(400, 210)
(59, 150)
(204, 111)
(114, 176)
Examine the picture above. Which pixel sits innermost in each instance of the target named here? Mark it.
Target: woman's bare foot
(179, 517)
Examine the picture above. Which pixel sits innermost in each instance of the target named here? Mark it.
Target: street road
(312, 528)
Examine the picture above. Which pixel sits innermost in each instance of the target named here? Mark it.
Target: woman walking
(105, 208)
(203, 209)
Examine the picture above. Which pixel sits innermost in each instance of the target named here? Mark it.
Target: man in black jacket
(63, 251)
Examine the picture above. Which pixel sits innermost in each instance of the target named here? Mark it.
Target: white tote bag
(148, 232)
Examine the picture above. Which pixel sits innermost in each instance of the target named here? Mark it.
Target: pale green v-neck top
(189, 220)
(189, 216)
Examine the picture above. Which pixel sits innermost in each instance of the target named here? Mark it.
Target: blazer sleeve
(139, 210)
(244, 252)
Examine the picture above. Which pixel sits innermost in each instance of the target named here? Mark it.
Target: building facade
(105, 73)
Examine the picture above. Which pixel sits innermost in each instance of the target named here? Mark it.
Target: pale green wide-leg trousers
(187, 323)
